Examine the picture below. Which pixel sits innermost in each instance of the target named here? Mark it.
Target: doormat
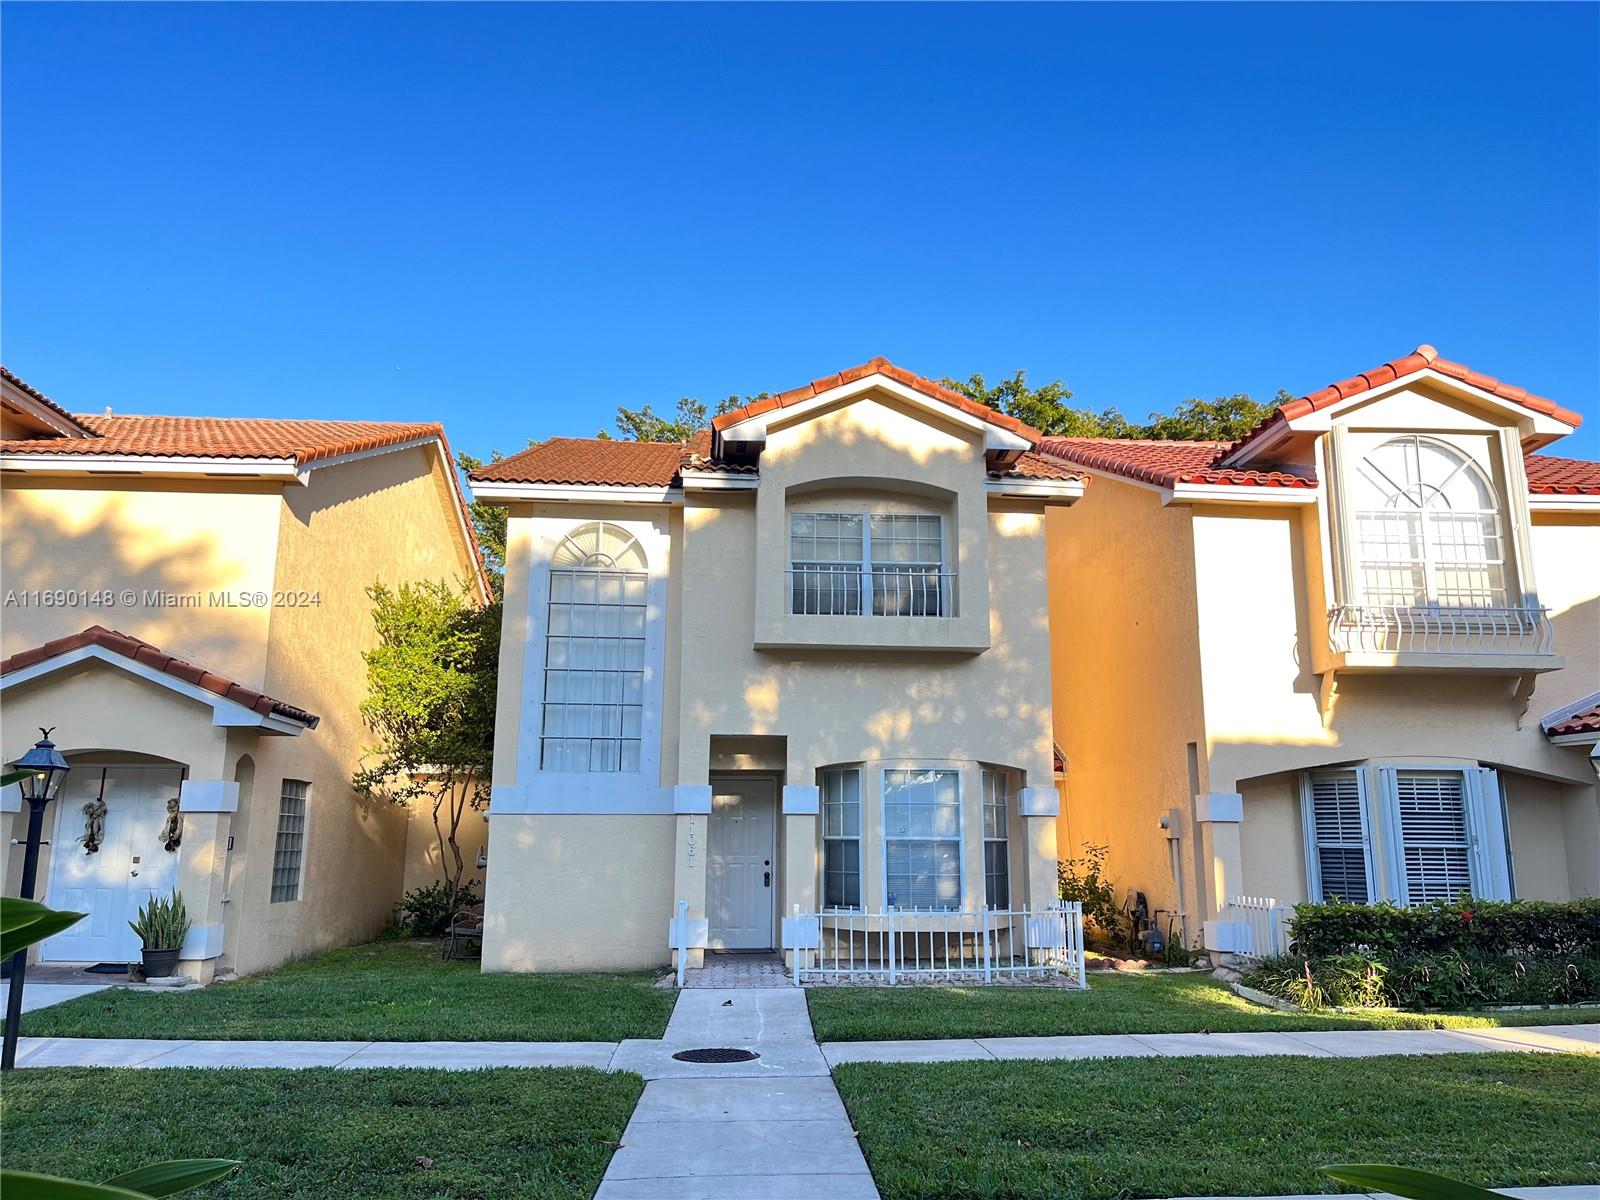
(106, 969)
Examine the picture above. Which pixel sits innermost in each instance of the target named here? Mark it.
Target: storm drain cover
(716, 1054)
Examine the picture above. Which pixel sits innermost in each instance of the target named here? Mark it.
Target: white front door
(740, 870)
(131, 864)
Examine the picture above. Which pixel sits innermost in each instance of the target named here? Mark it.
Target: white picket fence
(1266, 923)
(911, 944)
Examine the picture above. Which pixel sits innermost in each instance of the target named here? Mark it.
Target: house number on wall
(693, 844)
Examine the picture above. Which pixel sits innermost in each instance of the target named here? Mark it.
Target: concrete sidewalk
(43, 995)
(774, 1126)
(1354, 1043)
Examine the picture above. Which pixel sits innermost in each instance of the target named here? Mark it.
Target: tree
(1045, 408)
(488, 527)
(691, 416)
(431, 704)
(1225, 419)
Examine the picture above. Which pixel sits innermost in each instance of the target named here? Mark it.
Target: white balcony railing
(849, 589)
(1396, 629)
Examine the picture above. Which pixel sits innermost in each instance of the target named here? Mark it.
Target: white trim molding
(690, 798)
(1221, 808)
(801, 800)
(1067, 491)
(225, 713)
(149, 464)
(1548, 502)
(208, 796)
(719, 481)
(1039, 802)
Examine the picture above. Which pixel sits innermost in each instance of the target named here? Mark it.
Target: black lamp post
(46, 769)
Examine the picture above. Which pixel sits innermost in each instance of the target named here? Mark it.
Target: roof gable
(231, 702)
(1553, 420)
(748, 424)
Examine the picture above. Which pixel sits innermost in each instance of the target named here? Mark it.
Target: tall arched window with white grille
(1429, 527)
(595, 651)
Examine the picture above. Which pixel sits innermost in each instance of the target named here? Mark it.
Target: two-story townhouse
(186, 608)
(1313, 663)
(795, 664)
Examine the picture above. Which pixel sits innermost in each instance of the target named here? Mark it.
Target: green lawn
(1113, 1004)
(1219, 1126)
(533, 1133)
(394, 991)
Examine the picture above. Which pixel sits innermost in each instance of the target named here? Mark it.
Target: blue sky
(515, 218)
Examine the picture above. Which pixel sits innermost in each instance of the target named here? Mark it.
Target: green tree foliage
(488, 526)
(431, 704)
(691, 416)
(1046, 408)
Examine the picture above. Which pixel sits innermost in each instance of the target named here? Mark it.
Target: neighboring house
(799, 662)
(1303, 665)
(185, 605)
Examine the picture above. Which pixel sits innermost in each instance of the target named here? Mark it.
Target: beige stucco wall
(572, 893)
(423, 855)
(390, 516)
(1126, 670)
(148, 538)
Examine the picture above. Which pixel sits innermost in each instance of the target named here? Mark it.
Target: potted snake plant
(162, 926)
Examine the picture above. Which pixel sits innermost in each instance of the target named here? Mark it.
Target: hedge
(1422, 982)
(1474, 929)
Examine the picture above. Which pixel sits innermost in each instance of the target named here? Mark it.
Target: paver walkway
(771, 1127)
(735, 970)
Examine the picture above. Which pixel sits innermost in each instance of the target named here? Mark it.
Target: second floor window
(1428, 528)
(885, 564)
(594, 652)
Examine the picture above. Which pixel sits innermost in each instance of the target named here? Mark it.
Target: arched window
(594, 651)
(1429, 528)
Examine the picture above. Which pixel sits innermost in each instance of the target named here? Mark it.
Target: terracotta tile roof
(227, 437)
(1548, 476)
(1584, 720)
(1037, 466)
(1422, 356)
(150, 656)
(597, 461)
(1168, 463)
(36, 394)
(878, 366)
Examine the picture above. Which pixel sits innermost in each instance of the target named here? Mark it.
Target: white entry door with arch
(130, 865)
(741, 853)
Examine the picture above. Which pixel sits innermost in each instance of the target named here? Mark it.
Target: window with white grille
(1428, 527)
(1436, 852)
(1339, 863)
(841, 839)
(922, 838)
(594, 652)
(290, 846)
(996, 838)
(888, 564)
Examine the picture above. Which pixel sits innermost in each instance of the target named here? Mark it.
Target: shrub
(1519, 928)
(1083, 879)
(426, 911)
(1419, 982)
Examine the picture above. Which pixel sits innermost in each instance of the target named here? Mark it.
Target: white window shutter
(1431, 830)
(1486, 824)
(1338, 836)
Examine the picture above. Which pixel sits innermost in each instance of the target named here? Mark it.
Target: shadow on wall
(118, 550)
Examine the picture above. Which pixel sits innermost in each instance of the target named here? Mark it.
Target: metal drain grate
(716, 1054)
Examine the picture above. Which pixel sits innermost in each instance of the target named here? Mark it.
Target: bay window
(922, 838)
(841, 838)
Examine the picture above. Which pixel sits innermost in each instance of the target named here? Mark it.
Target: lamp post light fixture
(46, 770)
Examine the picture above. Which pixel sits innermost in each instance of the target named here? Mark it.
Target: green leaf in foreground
(25, 1185)
(45, 924)
(1408, 1182)
(174, 1176)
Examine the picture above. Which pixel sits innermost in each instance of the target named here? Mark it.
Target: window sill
(1419, 662)
(965, 634)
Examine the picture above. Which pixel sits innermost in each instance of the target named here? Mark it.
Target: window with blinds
(1336, 816)
(1435, 848)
